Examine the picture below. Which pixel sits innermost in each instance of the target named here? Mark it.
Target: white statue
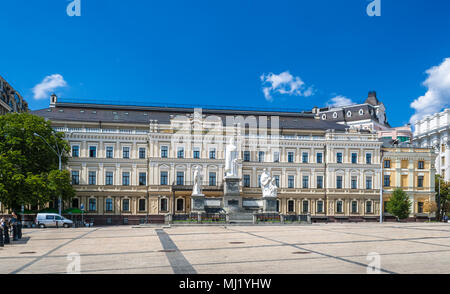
(231, 159)
(268, 185)
(197, 187)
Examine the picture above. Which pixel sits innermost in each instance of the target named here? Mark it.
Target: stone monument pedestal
(232, 200)
(198, 203)
(270, 204)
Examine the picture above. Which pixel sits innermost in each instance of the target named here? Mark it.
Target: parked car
(44, 220)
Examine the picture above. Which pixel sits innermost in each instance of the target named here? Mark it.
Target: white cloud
(48, 84)
(339, 101)
(284, 83)
(438, 93)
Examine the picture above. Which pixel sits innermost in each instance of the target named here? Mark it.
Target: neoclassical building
(434, 132)
(138, 162)
(10, 99)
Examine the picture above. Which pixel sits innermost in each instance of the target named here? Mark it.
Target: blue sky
(215, 52)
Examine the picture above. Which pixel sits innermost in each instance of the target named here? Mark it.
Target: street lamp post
(59, 153)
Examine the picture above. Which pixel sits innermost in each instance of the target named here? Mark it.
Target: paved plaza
(269, 249)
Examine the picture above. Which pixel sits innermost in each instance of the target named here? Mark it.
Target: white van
(44, 220)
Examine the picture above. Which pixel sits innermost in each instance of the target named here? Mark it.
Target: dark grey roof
(142, 115)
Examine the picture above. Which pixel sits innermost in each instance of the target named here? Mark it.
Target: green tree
(399, 204)
(443, 195)
(28, 166)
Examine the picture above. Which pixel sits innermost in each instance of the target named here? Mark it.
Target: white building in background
(434, 131)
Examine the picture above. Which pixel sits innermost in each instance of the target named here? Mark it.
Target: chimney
(53, 100)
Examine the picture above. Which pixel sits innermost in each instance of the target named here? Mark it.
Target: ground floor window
(142, 205)
(163, 204)
(319, 206)
(354, 206)
(369, 207)
(339, 208)
(180, 204)
(278, 205)
(109, 205)
(420, 207)
(92, 204)
(290, 205)
(305, 206)
(126, 205)
(75, 203)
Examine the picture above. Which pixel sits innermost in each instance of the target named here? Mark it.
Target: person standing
(14, 226)
(5, 228)
(2, 240)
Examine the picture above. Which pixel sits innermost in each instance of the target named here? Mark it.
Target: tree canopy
(29, 171)
(399, 204)
(445, 186)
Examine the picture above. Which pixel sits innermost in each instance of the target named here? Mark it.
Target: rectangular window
(339, 182)
(354, 182)
(276, 156)
(319, 157)
(246, 156)
(421, 165)
(92, 204)
(92, 151)
(75, 177)
(354, 158)
(142, 205)
(125, 178)
(212, 178)
(247, 181)
(305, 206)
(163, 204)
(420, 182)
(75, 151)
(164, 151)
(277, 180)
(291, 157)
(109, 178)
(109, 205)
(259, 181)
(368, 158)
(387, 164)
(196, 154)
(261, 156)
(212, 153)
(126, 205)
(180, 204)
(319, 182)
(387, 181)
(319, 206)
(369, 183)
(420, 207)
(305, 157)
(339, 157)
(339, 208)
(142, 179)
(290, 205)
(92, 178)
(109, 152)
(164, 178)
(180, 178)
(142, 153)
(305, 182)
(291, 182)
(369, 207)
(180, 152)
(126, 152)
(354, 207)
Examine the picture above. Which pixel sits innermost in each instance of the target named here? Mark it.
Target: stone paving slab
(317, 248)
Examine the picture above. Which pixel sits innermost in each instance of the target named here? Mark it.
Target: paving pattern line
(316, 252)
(179, 263)
(50, 252)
